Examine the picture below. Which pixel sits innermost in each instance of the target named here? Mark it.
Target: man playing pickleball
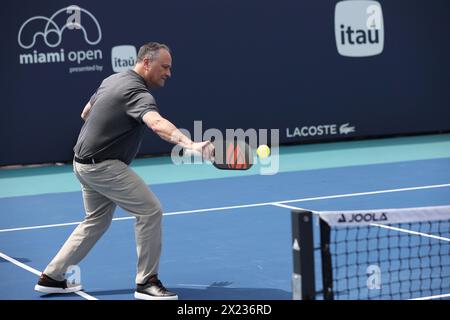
(115, 120)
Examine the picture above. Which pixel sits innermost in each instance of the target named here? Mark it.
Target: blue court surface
(226, 235)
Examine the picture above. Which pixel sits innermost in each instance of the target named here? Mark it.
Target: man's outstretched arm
(169, 132)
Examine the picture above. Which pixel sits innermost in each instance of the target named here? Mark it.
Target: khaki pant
(105, 185)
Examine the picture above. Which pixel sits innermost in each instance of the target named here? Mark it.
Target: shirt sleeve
(139, 104)
(92, 99)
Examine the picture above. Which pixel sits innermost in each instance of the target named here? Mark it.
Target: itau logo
(359, 28)
(123, 57)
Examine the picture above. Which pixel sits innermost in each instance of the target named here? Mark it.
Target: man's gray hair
(150, 50)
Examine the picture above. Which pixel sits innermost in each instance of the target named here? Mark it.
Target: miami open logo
(40, 35)
(51, 29)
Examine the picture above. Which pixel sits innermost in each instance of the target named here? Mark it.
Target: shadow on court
(184, 293)
(209, 293)
(23, 260)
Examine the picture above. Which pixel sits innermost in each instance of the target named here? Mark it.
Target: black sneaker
(49, 285)
(154, 290)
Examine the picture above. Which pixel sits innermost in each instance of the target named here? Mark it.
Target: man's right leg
(99, 214)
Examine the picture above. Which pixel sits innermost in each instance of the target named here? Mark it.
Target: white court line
(278, 203)
(288, 207)
(447, 295)
(410, 232)
(56, 225)
(377, 225)
(38, 273)
(41, 226)
(366, 193)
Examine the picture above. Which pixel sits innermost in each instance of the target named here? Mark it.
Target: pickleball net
(391, 254)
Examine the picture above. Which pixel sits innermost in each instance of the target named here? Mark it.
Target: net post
(327, 269)
(303, 277)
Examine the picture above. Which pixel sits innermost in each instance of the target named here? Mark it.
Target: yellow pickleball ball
(263, 151)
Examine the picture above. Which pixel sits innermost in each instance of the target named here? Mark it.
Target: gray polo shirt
(114, 127)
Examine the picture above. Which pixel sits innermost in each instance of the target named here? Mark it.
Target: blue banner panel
(315, 70)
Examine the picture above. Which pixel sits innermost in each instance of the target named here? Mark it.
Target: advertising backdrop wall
(316, 70)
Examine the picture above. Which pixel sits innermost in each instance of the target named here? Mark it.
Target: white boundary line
(38, 273)
(275, 203)
(410, 232)
(447, 295)
(366, 193)
(41, 226)
(288, 207)
(19, 264)
(377, 225)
